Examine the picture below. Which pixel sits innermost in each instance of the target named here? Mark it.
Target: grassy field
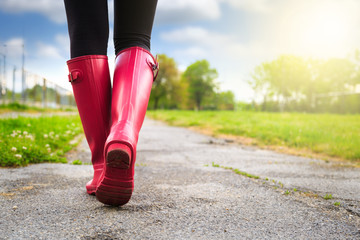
(17, 107)
(323, 135)
(25, 140)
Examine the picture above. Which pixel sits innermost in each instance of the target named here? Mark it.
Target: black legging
(89, 25)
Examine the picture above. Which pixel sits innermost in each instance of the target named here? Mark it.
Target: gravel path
(179, 195)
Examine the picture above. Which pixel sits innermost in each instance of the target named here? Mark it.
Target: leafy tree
(165, 88)
(294, 83)
(225, 100)
(201, 82)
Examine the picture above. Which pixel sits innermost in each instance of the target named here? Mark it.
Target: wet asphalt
(180, 195)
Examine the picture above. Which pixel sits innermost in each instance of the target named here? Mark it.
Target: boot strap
(73, 76)
(154, 67)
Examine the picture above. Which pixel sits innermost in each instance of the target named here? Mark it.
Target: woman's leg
(89, 75)
(133, 22)
(88, 25)
(133, 77)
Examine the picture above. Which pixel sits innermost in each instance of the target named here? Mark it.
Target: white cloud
(54, 10)
(192, 52)
(251, 5)
(14, 47)
(48, 51)
(181, 11)
(168, 11)
(63, 41)
(208, 41)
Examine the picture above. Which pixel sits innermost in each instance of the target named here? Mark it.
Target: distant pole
(4, 86)
(13, 86)
(23, 74)
(44, 94)
(1, 79)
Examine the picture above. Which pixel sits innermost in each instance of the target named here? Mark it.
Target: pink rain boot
(133, 78)
(90, 80)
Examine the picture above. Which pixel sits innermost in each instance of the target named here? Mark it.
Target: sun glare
(322, 29)
(328, 28)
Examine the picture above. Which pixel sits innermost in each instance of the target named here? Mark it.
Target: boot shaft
(133, 78)
(90, 79)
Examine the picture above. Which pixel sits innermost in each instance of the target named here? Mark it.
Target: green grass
(77, 162)
(18, 107)
(328, 196)
(235, 170)
(331, 135)
(26, 140)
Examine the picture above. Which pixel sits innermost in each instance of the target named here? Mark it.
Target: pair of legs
(88, 25)
(111, 118)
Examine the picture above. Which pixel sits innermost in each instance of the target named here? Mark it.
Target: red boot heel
(118, 156)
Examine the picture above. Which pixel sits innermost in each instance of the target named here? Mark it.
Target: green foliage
(328, 134)
(200, 79)
(225, 100)
(328, 196)
(15, 106)
(194, 89)
(337, 203)
(235, 170)
(77, 162)
(166, 88)
(34, 140)
(291, 83)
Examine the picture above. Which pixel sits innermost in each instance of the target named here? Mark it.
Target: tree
(201, 82)
(164, 89)
(294, 83)
(225, 100)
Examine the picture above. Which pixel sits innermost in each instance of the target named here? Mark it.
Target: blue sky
(233, 35)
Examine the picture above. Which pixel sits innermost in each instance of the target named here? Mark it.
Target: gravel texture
(179, 195)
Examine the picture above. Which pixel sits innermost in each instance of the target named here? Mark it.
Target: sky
(233, 35)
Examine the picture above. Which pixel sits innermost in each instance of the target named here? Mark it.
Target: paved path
(179, 195)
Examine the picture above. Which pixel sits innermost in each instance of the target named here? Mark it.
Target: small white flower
(18, 131)
(31, 137)
(13, 149)
(56, 136)
(25, 132)
(13, 135)
(24, 147)
(20, 136)
(47, 145)
(29, 125)
(51, 133)
(68, 132)
(46, 136)
(18, 156)
(49, 149)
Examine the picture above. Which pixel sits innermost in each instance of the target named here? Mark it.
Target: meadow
(26, 140)
(321, 135)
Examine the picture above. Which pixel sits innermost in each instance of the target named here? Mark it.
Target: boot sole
(114, 192)
(114, 189)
